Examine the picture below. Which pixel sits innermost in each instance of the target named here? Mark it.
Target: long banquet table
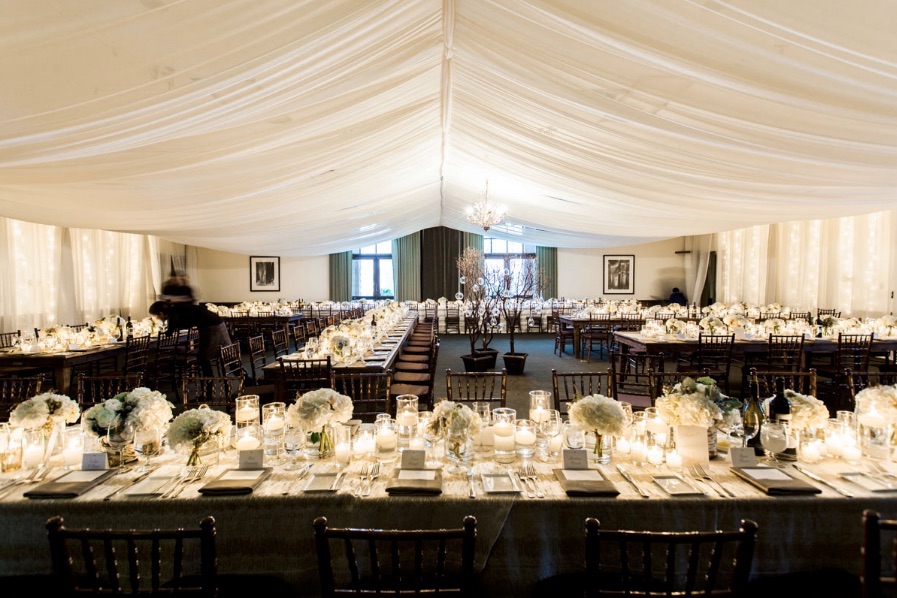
(63, 362)
(519, 540)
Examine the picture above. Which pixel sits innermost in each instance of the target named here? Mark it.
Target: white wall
(224, 277)
(658, 268)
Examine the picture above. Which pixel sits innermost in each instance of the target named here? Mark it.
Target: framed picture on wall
(619, 274)
(264, 273)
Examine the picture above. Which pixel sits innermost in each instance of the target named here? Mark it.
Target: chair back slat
(466, 387)
(569, 386)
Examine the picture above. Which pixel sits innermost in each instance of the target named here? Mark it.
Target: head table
(520, 540)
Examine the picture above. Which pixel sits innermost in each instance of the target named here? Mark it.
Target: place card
(575, 459)
(251, 459)
(743, 456)
(94, 461)
(413, 459)
(417, 474)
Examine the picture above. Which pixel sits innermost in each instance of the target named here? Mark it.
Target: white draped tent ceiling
(306, 127)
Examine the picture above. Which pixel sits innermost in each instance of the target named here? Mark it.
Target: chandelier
(486, 213)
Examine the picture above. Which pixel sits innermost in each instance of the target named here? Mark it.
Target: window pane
(385, 247)
(386, 281)
(499, 246)
(515, 247)
(367, 250)
(516, 270)
(363, 278)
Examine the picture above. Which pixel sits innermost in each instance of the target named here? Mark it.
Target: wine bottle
(780, 412)
(129, 328)
(753, 418)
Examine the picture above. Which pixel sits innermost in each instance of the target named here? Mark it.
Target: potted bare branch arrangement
(519, 287)
(481, 308)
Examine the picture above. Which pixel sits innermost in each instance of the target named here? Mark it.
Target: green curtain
(547, 258)
(474, 240)
(439, 248)
(341, 276)
(406, 267)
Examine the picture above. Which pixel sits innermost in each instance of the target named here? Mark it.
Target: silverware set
(191, 474)
(302, 475)
(527, 475)
(700, 473)
(39, 473)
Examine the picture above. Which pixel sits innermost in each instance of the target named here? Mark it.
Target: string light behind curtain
(843, 263)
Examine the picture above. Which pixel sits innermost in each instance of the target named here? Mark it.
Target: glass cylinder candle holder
(484, 440)
(406, 417)
(10, 447)
(72, 447)
(33, 448)
(525, 438)
(386, 440)
(658, 431)
(539, 404)
(342, 443)
(503, 431)
(810, 445)
(273, 426)
(247, 410)
(248, 437)
(873, 427)
(363, 443)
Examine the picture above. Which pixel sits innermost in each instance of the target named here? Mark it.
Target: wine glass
(119, 437)
(750, 425)
(293, 443)
(774, 438)
(551, 428)
(148, 444)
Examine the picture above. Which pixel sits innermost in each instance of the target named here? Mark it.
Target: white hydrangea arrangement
(695, 403)
(316, 410)
(806, 411)
(195, 427)
(598, 413)
(45, 411)
(142, 407)
(452, 420)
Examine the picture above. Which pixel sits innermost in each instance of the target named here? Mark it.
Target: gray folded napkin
(410, 483)
(596, 487)
(70, 485)
(775, 482)
(235, 481)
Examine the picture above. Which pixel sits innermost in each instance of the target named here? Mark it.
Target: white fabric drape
(301, 127)
(845, 263)
(51, 275)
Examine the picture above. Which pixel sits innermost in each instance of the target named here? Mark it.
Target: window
(372, 272)
(506, 256)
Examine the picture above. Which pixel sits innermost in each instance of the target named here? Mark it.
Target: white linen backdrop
(301, 127)
(848, 264)
(54, 275)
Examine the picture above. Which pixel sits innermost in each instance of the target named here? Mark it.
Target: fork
(198, 472)
(361, 479)
(698, 471)
(375, 473)
(530, 474)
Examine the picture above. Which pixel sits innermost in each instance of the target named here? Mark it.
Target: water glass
(293, 444)
(147, 444)
(550, 441)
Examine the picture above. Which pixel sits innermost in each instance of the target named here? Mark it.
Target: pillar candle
(342, 452)
(247, 443)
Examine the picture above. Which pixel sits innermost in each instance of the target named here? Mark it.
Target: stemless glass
(147, 444)
(293, 443)
(551, 428)
(118, 438)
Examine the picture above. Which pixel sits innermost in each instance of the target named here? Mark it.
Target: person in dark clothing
(678, 296)
(183, 315)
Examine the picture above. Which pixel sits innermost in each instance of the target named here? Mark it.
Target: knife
(813, 476)
(514, 479)
(338, 481)
(631, 480)
(134, 482)
(472, 492)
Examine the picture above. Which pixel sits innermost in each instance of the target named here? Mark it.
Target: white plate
(870, 482)
(676, 486)
(150, 486)
(322, 482)
(499, 483)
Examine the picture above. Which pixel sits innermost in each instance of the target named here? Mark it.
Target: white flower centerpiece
(674, 326)
(712, 324)
(45, 412)
(316, 411)
(697, 403)
(196, 427)
(139, 409)
(807, 412)
(458, 425)
(601, 415)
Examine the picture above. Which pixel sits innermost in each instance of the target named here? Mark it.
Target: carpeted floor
(536, 374)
